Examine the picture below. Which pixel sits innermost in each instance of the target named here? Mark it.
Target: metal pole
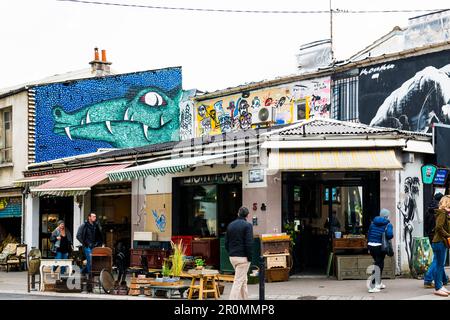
(262, 271)
(331, 32)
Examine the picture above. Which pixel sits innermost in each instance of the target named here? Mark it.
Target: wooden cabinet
(355, 267)
(155, 257)
(208, 249)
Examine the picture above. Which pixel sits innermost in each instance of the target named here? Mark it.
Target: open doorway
(325, 205)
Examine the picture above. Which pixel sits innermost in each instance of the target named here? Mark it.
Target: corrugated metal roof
(323, 126)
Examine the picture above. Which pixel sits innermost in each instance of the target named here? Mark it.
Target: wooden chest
(355, 267)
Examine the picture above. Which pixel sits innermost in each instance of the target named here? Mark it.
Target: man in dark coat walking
(90, 236)
(239, 243)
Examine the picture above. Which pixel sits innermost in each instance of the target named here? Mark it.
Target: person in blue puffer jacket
(379, 225)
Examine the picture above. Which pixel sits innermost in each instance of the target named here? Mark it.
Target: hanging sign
(428, 173)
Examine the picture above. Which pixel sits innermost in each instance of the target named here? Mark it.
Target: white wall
(19, 104)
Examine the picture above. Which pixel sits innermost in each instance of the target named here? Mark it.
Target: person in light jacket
(379, 225)
(61, 240)
(239, 243)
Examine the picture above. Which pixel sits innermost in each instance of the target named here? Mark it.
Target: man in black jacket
(239, 243)
(90, 236)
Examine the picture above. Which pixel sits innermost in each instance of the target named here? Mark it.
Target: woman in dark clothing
(379, 225)
(61, 243)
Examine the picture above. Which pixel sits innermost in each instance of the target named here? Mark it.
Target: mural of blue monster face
(129, 110)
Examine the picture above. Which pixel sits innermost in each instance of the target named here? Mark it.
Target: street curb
(80, 296)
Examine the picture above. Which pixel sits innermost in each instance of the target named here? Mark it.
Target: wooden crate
(277, 274)
(276, 261)
(275, 247)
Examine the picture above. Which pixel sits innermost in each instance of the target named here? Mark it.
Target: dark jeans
(439, 251)
(378, 256)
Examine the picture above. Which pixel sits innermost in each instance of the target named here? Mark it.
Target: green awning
(59, 193)
(163, 167)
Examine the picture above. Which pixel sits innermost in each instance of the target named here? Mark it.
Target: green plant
(290, 230)
(199, 262)
(177, 258)
(165, 269)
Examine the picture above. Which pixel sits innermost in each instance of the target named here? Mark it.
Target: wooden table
(203, 277)
(51, 263)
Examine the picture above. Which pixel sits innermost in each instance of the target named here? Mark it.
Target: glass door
(345, 210)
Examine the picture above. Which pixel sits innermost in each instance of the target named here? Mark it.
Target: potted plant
(165, 271)
(199, 264)
(177, 259)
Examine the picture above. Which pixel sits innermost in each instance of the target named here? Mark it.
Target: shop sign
(428, 173)
(441, 177)
(256, 175)
(220, 178)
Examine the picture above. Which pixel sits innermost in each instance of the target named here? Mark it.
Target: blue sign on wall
(440, 177)
(121, 111)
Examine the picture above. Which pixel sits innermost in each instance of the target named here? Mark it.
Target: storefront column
(81, 208)
(32, 221)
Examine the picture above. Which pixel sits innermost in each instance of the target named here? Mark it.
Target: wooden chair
(18, 259)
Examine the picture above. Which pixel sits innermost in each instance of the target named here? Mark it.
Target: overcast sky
(216, 50)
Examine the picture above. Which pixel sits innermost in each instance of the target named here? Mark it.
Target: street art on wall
(187, 124)
(11, 207)
(289, 103)
(159, 215)
(410, 94)
(129, 110)
(409, 211)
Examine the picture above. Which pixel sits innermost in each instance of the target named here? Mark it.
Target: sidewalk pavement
(297, 288)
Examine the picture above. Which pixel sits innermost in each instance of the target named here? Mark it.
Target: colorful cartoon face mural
(409, 94)
(288, 104)
(129, 110)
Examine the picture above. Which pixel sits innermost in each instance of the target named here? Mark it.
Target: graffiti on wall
(409, 211)
(187, 115)
(11, 207)
(129, 110)
(410, 94)
(288, 104)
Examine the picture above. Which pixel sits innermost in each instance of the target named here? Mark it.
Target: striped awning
(163, 167)
(35, 181)
(76, 182)
(335, 160)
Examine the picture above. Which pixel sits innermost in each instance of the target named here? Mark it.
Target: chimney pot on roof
(96, 57)
(100, 67)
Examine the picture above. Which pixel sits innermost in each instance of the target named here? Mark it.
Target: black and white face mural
(407, 94)
(409, 211)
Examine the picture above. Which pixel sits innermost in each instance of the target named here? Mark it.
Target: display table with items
(276, 251)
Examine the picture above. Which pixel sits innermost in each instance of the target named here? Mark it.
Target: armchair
(8, 251)
(19, 258)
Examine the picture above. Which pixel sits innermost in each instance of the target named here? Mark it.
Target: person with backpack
(430, 223)
(379, 225)
(441, 244)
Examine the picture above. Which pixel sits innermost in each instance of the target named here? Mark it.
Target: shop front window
(205, 211)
